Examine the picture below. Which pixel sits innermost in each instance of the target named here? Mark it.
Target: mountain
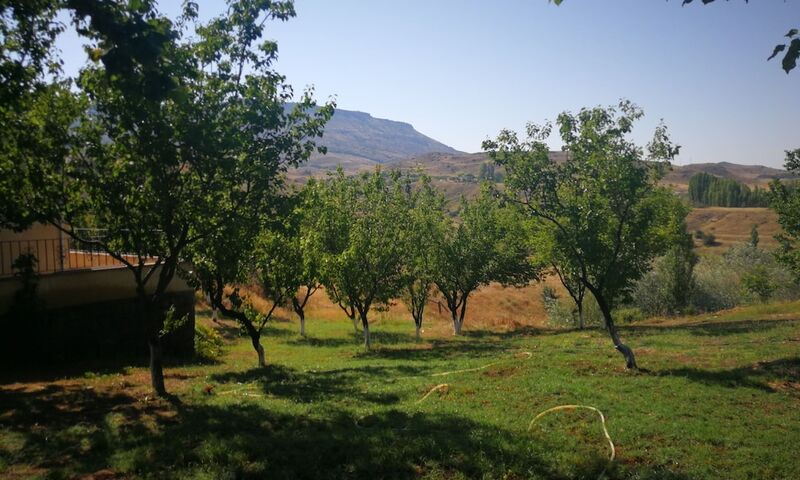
(356, 140)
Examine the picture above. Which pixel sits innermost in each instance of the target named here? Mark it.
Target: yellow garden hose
(602, 421)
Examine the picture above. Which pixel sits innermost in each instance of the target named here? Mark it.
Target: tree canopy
(360, 240)
(486, 244)
(602, 204)
(786, 203)
(180, 127)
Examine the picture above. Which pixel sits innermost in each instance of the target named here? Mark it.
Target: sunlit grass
(719, 398)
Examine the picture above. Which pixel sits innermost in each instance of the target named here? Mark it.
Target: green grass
(720, 398)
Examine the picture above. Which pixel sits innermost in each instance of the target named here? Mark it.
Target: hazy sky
(460, 71)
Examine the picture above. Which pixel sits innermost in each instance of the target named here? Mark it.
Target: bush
(628, 315)
(758, 282)
(667, 288)
(709, 239)
(207, 342)
(716, 285)
(562, 312)
(744, 274)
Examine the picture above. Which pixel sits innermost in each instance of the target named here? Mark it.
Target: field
(719, 397)
(732, 225)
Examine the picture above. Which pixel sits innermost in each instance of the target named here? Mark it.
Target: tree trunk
(456, 326)
(580, 315)
(630, 359)
(365, 325)
(355, 324)
(156, 366)
(418, 327)
(302, 316)
(256, 339)
(459, 322)
(214, 316)
(148, 315)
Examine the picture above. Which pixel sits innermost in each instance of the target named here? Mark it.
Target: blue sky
(460, 71)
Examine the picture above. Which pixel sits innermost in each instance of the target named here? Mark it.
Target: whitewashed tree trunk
(367, 339)
(262, 362)
(418, 329)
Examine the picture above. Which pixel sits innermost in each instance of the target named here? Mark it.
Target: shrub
(709, 239)
(758, 282)
(667, 288)
(744, 274)
(208, 342)
(562, 312)
(716, 285)
(698, 234)
(629, 315)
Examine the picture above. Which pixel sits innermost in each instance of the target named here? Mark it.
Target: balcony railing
(54, 255)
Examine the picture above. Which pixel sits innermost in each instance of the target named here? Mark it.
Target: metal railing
(53, 255)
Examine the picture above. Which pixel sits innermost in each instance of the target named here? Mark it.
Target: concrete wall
(95, 331)
(76, 287)
(87, 314)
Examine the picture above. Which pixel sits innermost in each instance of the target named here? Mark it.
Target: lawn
(719, 397)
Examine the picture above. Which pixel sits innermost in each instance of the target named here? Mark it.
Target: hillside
(357, 140)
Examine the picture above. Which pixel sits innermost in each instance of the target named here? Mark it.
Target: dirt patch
(502, 371)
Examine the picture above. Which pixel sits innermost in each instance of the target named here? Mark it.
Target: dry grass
(493, 307)
(732, 225)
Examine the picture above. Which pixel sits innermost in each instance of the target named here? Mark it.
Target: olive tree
(186, 132)
(485, 244)
(360, 239)
(603, 204)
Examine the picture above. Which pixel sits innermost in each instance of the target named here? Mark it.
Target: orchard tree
(785, 200)
(37, 109)
(186, 133)
(289, 263)
(602, 203)
(360, 236)
(487, 243)
(559, 260)
(424, 221)
(332, 236)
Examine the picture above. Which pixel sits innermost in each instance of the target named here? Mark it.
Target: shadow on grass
(74, 432)
(89, 368)
(306, 387)
(766, 376)
(321, 342)
(710, 329)
(437, 349)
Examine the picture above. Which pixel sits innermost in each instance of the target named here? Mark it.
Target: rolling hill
(357, 140)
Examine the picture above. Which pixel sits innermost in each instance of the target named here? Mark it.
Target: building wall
(76, 287)
(87, 314)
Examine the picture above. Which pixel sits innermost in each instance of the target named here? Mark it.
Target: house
(83, 305)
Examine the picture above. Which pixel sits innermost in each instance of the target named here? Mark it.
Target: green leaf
(791, 33)
(790, 59)
(778, 49)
